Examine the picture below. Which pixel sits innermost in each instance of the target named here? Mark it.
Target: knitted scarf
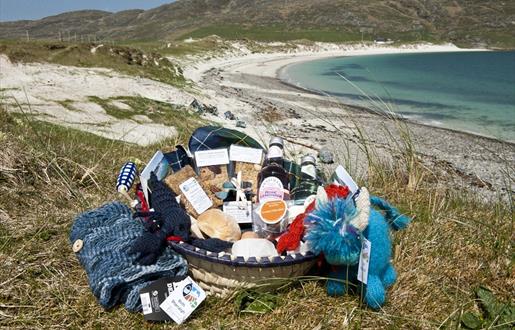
(114, 277)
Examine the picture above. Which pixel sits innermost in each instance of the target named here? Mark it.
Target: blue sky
(12, 10)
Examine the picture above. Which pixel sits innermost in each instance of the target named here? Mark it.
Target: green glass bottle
(307, 181)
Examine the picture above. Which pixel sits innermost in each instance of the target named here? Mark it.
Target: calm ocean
(467, 91)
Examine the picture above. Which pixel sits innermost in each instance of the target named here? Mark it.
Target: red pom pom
(336, 191)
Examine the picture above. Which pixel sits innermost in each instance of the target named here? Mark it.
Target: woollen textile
(114, 277)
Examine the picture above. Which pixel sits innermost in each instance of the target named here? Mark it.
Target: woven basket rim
(228, 259)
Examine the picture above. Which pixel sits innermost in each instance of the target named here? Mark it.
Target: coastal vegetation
(48, 174)
(454, 262)
(124, 59)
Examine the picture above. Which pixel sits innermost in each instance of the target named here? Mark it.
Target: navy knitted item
(114, 277)
(173, 221)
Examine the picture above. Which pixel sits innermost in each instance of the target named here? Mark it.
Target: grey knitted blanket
(107, 234)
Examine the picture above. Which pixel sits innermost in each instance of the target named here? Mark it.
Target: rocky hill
(461, 21)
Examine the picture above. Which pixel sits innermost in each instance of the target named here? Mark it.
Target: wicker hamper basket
(219, 274)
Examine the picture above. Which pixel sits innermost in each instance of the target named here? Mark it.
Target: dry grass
(48, 174)
(271, 115)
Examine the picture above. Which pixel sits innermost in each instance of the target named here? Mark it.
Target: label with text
(212, 157)
(186, 297)
(196, 195)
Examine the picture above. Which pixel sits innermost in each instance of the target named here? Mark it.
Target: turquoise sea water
(467, 91)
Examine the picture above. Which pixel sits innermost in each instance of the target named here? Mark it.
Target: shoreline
(250, 86)
(398, 117)
(302, 57)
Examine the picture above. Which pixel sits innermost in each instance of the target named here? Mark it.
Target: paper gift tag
(341, 176)
(186, 297)
(364, 260)
(245, 154)
(195, 195)
(211, 157)
(156, 293)
(241, 211)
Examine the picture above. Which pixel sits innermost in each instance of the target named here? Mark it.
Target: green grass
(272, 34)
(49, 174)
(123, 59)
(176, 48)
(281, 33)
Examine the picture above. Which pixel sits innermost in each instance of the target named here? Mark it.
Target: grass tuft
(49, 174)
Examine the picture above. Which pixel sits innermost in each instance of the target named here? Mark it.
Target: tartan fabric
(206, 138)
(178, 158)
(213, 137)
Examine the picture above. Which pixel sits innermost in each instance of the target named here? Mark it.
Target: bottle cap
(308, 159)
(277, 141)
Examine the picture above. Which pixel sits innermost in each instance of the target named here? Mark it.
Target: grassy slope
(48, 174)
(123, 59)
(280, 33)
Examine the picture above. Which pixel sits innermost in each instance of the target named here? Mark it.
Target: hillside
(460, 21)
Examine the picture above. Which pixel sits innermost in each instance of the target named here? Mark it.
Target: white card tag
(343, 177)
(241, 211)
(196, 195)
(211, 157)
(245, 154)
(145, 302)
(364, 260)
(186, 297)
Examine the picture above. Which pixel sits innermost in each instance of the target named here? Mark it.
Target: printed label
(272, 212)
(245, 154)
(275, 152)
(342, 177)
(271, 189)
(309, 170)
(145, 302)
(196, 195)
(186, 297)
(364, 260)
(212, 157)
(241, 211)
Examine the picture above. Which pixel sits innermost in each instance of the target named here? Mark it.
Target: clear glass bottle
(273, 179)
(307, 181)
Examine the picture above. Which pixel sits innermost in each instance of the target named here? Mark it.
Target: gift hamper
(220, 272)
(232, 214)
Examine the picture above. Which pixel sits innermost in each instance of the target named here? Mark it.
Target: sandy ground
(39, 88)
(249, 84)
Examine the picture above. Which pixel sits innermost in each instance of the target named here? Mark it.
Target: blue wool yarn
(107, 234)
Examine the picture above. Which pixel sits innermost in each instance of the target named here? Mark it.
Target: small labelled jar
(271, 219)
